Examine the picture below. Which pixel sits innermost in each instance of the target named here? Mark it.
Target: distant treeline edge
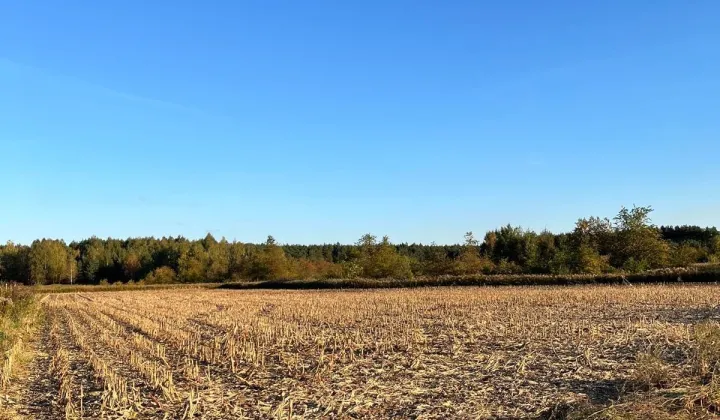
(597, 250)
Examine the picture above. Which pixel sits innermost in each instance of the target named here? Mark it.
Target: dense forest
(627, 243)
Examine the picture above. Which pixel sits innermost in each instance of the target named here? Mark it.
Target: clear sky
(318, 121)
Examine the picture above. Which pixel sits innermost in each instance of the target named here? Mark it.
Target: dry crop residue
(419, 353)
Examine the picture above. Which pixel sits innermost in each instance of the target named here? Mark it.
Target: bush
(471, 263)
(351, 270)
(381, 260)
(631, 265)
(508, 267)
(305, 269)
(14, 301)
(684, 255)
(162, 275)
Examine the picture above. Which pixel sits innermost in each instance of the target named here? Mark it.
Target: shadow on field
(710, 274)
(599, 394)
(689, 316)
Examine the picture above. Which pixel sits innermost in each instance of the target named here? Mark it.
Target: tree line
(627, 243)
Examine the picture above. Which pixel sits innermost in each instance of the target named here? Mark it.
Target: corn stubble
(422, 353)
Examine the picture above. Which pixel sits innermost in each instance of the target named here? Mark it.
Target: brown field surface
(514, 352)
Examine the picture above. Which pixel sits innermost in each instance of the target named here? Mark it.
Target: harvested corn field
(411, 353)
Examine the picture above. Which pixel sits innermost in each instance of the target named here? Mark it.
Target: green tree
(436, 262)
(381, 260)
(685, 254)
(193, 264)
(50, 262)
(94, 258)
(596, 233)
(131, 265)
(587, 239)
(469, 261)
(545, 252)
(513, 245)
(268, 263)
(587, 260)
(218, 261)
(638, 243)
(489, 244)
(208, 241)
(715, 248)
(15, 262)
(238, 257)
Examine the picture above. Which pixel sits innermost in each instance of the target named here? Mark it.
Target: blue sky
(318, 121)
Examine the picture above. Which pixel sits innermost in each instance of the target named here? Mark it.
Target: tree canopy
(629, 242)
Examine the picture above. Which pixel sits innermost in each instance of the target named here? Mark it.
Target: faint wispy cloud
(147, 100)
(103, 89)
(536, 162)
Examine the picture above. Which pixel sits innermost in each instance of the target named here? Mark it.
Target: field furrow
(423, 353)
